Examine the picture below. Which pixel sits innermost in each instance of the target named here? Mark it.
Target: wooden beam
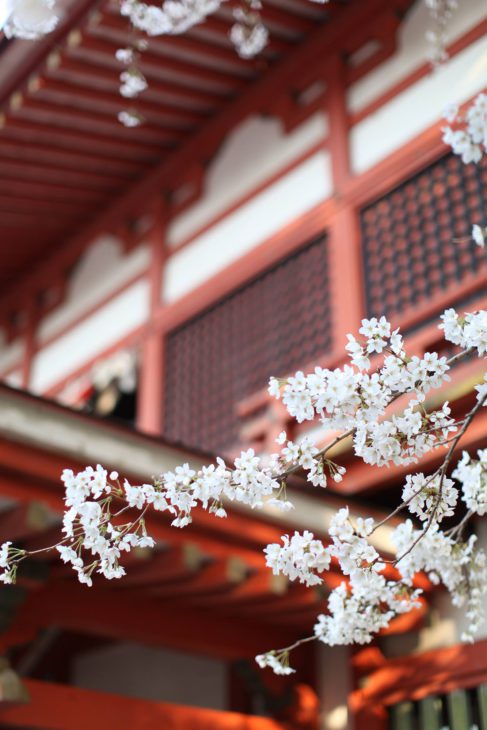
(112, 27)
(87, 74)
(24, 520)
(154, 112)
(177, 563)
(101, 612)
(216, 578)
(27, 131)
(60, 707)
(55, 192)
(338, 135)
(91, 117)
(151, 65)
(38, 171)
(258, 586)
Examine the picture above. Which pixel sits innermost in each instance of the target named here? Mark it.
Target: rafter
(90, 75)
(59, 93)
(72, 160)
(36, 131)
(217, 577)
(101, 612)
(103, 53)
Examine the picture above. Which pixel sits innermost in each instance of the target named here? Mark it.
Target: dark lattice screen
(408, 247)
(272, 325)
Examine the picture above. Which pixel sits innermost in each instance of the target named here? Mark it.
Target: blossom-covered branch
(355, 401)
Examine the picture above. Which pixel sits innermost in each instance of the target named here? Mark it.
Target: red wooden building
(153, 278)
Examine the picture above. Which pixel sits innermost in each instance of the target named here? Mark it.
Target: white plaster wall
(14, 379)
(419, 106)
(413, 49)
(153, 674)
(10, 354)
(101, 270)
(257, 149)
(264, 215)
(110, 323)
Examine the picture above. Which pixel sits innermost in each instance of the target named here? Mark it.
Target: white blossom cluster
(173, 17)
(30, 19)
(89, 527)
(352, 398)
(132, 82)
(364, 605)
(306, 455)
(275, 660)
(300, 557)
(479, 235)
(248, 34)
(130, 118)
(472, 474)
(468, 332)
(441, 12)
(469, 138)
(460, 566)
(426, 496)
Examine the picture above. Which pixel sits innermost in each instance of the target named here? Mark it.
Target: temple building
(152, 279)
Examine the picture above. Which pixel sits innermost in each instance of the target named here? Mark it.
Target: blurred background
(153, 278)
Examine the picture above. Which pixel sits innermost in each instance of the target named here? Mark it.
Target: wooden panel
(402, 716)
(459, 712)
(482, 705)
(430, 713)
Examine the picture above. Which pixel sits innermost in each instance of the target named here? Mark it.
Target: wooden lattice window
(457, 710)
(416, 238)
(272, 325)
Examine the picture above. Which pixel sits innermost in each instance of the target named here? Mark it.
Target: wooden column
(151, 384)
(347, 297)
(345, 255)
(338, 120)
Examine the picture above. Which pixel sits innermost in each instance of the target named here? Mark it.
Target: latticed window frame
(416, 243)
(286, 342)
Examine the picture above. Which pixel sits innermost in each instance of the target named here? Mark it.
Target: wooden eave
(69, 169)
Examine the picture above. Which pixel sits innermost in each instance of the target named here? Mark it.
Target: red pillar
(151, 382)
(347, 296)
(338, 120)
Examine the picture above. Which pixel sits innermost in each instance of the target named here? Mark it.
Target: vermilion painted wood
(35, 132)
(90, 118)
(59, 707)
(69, 159)
(113, 28)
(86, 73)
(150, 397)
(384, 31)
(414, 677)
(102, 612)
(336, 108)
(58, 92)
(101, 53)
(241, 106)
(345, 276)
